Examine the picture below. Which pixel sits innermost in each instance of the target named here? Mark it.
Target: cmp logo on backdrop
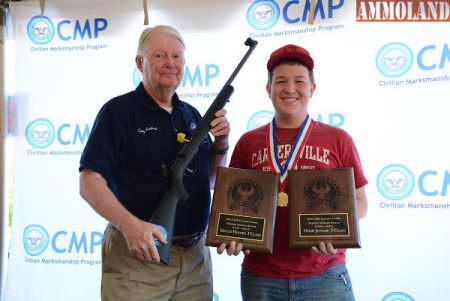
(395, 182)
(137, 77)
(397, 296)
(35, 239)
(42, 133)
(197, 76)
(394, 59)
(263, 117)
(263, 14)
(41, 30)
(259, 118)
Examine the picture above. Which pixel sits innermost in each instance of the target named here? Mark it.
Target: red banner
(402, 11)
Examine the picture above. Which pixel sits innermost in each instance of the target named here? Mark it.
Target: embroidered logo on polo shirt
(146, 130)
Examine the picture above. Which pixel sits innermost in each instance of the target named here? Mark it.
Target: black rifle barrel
(164, 214)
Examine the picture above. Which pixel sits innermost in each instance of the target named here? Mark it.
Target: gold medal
(283, 199)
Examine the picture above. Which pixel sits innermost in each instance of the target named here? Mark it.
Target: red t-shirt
(326, 147)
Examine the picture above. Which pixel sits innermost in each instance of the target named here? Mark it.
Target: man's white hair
(146, 34)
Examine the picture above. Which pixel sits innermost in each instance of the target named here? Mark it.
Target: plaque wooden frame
(244, 209)
(322, 207)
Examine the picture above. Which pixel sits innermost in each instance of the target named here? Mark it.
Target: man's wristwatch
(219, 152)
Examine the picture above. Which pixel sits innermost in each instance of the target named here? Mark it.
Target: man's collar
(149, 102)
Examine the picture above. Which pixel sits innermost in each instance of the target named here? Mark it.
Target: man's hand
(220, 129)
(140, 237)
(233, 249)
(323, 248)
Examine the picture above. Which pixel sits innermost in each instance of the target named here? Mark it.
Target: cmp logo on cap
(263, 14)
(397, 296)
(40, 133)
(395, 182)
(35, 239)
(40, 30)
(394, 59)
(259, 118)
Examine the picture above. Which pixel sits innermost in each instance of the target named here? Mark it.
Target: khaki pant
(126, 278)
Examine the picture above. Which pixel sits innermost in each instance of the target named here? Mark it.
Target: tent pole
(3, 206)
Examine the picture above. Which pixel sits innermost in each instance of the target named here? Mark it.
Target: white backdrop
(387, 84)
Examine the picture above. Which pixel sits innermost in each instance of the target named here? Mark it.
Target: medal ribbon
(294, 154)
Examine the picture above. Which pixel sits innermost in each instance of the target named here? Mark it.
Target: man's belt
(187, 240)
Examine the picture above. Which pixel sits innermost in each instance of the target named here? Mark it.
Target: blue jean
(331, 285)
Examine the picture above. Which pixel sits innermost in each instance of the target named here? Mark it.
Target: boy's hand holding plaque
(243, 209)
(322, 207)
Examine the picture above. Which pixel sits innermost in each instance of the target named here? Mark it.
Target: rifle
(164, 214)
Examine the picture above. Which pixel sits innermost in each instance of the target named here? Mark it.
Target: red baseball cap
(292, 52)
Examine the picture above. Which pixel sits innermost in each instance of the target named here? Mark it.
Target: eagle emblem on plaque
(244, 193)
(322, 192)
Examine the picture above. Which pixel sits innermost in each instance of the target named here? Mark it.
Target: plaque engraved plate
(240, 227)
(243, 209)
(322, 207)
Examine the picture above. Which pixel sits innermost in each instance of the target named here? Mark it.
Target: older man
(124, 176)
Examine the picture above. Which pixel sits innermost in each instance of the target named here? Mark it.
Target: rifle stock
(164, 214)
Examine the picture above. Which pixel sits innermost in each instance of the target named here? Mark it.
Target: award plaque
(243, 209)
(322, 207)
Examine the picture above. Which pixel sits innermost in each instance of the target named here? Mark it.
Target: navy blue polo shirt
(133, 143)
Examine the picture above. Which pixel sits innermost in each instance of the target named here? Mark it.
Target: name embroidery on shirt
(146, 130)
